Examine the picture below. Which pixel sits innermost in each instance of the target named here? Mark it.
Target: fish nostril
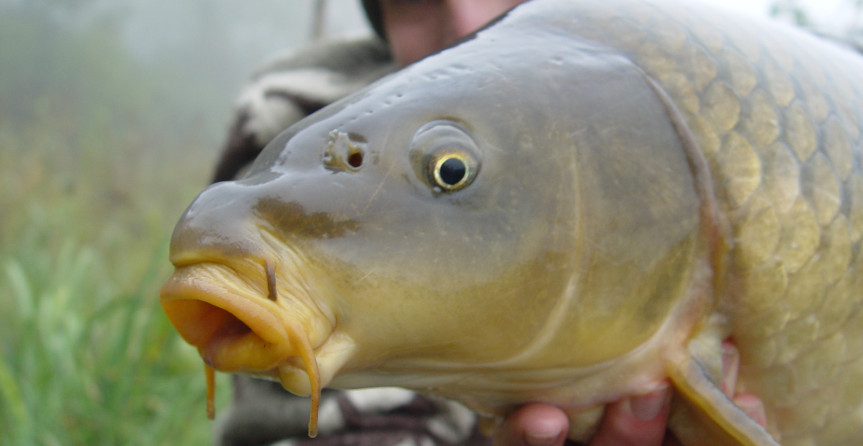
(355, 159)
(344, 151)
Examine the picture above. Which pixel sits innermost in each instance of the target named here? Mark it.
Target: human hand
(638, 420)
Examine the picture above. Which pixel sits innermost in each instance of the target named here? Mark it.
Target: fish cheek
(452, 317)
(440, 280)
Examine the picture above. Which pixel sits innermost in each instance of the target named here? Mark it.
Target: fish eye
(450, 171)
(445, 156)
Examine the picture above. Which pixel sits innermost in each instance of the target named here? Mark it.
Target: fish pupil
(452, 171)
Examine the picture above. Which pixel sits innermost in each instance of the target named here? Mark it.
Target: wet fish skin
(779, 118)
(700, 174)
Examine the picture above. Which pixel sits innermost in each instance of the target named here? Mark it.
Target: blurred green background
(111, 116)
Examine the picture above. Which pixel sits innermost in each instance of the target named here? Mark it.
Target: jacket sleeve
(262, 413)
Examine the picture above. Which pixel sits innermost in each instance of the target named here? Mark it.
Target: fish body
(579, 202)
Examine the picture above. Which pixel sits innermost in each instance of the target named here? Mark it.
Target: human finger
(533, 425)
(639, 420)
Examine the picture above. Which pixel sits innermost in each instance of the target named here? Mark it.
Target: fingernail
(542, 436)
(648, 406)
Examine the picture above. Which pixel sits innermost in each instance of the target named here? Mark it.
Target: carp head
(487, 225)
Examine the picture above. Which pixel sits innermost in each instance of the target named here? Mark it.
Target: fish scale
(791, 181)
(675, 176)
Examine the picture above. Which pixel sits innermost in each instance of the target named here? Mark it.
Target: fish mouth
(237, 325)
(232, 328)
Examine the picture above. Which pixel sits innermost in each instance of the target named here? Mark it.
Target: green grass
(99, 155)
(87, 356)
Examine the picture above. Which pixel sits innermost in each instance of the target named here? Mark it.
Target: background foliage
(98, 155)
(111, 113)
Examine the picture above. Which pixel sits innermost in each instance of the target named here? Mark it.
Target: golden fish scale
(779, 122)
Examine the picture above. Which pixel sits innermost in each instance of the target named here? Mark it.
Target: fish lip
(264, 318)
(235, 330)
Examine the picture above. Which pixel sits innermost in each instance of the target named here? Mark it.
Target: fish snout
(220, 223)
(248, 302)
(214, 297)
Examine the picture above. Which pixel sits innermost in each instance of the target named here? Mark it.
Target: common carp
(574, 204)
